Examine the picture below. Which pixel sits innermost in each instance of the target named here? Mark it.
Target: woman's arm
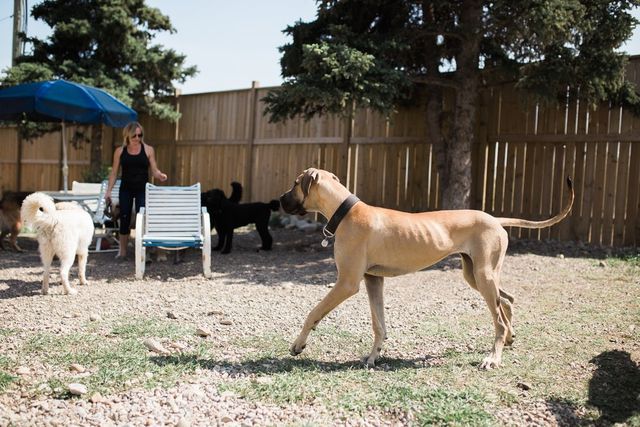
(154, 166)
(114, 172)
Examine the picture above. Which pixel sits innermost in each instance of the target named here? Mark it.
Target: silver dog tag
(325, 243)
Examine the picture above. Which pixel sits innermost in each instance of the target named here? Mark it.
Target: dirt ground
(256, 293)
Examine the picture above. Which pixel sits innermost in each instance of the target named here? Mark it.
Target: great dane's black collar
(329, 230)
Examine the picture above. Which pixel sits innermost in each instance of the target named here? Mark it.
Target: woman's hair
(129, 130)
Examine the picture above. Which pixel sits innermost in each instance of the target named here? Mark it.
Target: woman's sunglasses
(137, 135)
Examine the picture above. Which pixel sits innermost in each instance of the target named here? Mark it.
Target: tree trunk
(456, 191)
(95, 164)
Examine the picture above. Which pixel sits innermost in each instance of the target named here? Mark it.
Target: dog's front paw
(490, 362)
(296, 349)
(369, 360)
(71, 291)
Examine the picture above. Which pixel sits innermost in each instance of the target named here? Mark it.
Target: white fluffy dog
(63, 229)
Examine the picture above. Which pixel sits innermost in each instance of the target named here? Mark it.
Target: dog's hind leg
(506, 300)
(66, 261)
(82, 267)
(346, 286)
(227, 236)
(375, 291)
(487, 265)
(46, 256)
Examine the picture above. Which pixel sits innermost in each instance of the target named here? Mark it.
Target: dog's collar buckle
(329, 230)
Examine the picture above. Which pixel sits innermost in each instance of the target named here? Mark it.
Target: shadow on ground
(614, 391)
(264, 366)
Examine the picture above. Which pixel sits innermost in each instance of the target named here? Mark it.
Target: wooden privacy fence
(523, 154)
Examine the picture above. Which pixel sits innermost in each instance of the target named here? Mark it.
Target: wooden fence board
(609, 196)
(622, 196)
(568, 169)
(632, 223)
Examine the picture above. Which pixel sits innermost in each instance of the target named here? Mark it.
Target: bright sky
(231, 42)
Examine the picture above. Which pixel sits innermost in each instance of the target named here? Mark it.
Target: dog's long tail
(274, 205)
(33, 204)
(517, 222)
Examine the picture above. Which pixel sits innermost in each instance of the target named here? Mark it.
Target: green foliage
(372, 52)
(97, 176)
(336, 77)
(116, 362)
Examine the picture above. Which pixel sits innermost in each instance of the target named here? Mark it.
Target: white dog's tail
(37, 207)
(517, 222)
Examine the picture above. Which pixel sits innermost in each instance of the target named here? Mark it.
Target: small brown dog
(10, 221)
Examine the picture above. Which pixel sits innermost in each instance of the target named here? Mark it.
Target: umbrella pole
(65, 165)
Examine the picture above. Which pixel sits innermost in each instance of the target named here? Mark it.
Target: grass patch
(119, 360)
(350, 388)
(627, 260)
(5, 378)
(402, 388)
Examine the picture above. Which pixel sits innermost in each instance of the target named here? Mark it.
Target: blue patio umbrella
(61, 100)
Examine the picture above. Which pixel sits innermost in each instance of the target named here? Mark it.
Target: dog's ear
(310, 176)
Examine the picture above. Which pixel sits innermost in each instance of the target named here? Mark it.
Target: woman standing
(136, 158)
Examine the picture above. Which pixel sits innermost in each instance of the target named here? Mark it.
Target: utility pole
(18, 19)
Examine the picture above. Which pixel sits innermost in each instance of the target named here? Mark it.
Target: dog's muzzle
(291, 205)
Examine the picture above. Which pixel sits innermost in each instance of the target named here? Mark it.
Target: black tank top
(135, 170)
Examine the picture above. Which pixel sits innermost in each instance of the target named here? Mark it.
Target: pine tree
(379, 53)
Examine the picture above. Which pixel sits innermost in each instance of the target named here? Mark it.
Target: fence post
(19, 168)
(253, 108)
(343, 172)
(176, 135)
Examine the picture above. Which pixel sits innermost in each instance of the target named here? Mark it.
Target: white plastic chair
(173, 219)
(106, 227)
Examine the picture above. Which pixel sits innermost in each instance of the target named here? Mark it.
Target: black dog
(227, 214)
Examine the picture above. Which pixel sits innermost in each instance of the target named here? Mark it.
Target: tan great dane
(374, 243)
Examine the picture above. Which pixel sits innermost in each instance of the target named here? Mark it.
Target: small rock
(96, 398)
(201, 332)
(226, 322)
(171, 315)
(523, 386)
(602, 264)
(76, 367)
(95, 317)
(77, 389)
(215, 312)
(23, 370)
(226, 419)
(561, 256)
(155, 346)
(178, 346)
(184, 422)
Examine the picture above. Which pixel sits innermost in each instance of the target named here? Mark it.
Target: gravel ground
(250, 293)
